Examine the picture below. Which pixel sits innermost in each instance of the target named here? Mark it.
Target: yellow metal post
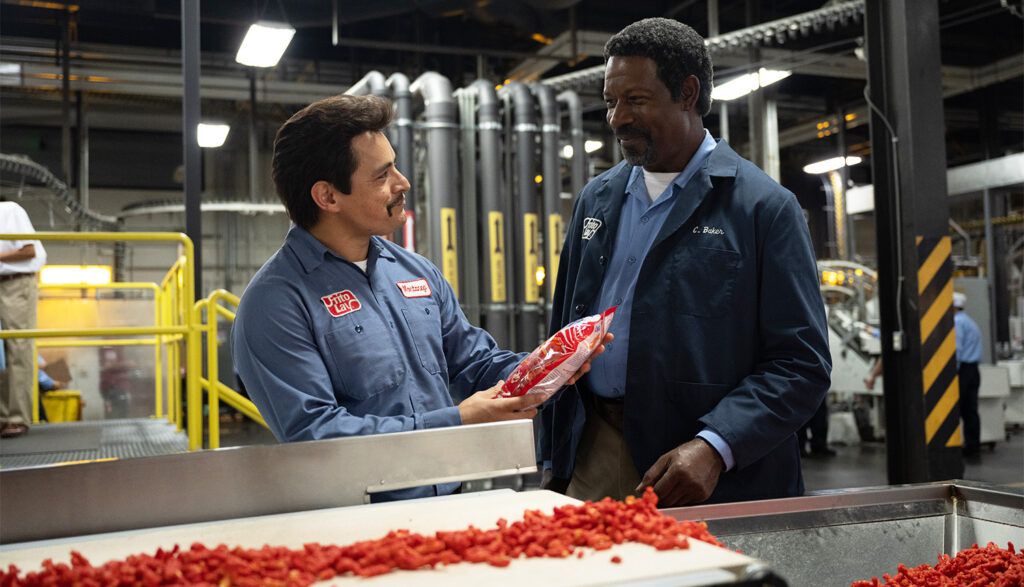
(158, 398)
(35, 383)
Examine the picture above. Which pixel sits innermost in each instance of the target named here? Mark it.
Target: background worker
(19, 293)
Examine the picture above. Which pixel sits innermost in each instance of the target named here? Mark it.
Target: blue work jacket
(728, 327)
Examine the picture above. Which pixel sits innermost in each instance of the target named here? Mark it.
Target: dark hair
(675, 48)
(316, 145)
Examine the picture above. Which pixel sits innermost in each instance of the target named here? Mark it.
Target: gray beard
(639, 159)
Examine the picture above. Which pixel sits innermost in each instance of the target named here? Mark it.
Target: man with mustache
(720, 352)
(342, 333)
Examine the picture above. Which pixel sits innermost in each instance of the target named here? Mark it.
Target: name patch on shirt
(341, 303)
(707, 230)
(415, 288)
(590, 226)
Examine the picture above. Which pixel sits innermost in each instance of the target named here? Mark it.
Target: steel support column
(254, 148)
(923, 437)
(190, 120)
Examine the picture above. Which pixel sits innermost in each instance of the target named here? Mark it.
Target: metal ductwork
(578, 164)
(551, 182)
(441, 201)
(495, 310)
(370, 84)
(526, 218)
(398, 87)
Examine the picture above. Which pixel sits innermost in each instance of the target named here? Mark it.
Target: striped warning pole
(938, 344)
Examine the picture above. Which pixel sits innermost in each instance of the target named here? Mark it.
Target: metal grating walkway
(48, 444)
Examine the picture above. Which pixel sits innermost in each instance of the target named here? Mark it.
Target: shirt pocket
(363, 359)
(701, 281)
(424, 322)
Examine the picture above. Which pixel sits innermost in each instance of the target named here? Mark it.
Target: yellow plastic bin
(63, 405)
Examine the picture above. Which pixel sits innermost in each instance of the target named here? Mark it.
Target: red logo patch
(341, 303)
(416, 288)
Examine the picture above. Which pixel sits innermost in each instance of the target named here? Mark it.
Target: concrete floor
(864, 466)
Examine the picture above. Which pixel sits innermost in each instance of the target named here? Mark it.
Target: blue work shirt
(326, 350)
(639, 224)
(968, 338)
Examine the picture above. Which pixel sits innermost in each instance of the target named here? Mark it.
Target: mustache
(391, 205)
(631, 132)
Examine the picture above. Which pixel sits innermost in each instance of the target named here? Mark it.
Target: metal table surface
(837, 537)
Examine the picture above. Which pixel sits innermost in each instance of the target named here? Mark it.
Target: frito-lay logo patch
(415, 288)
(341, 303)
(590, 226)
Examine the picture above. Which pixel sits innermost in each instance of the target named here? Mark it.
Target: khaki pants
(604, 467)
(18, 298)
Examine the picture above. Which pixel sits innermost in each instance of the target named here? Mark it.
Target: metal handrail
(215, 388)
(174, 321)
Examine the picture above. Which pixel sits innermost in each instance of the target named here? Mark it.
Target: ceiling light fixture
(831, 164)
(265, 43)
(211, 135)
(741, 86)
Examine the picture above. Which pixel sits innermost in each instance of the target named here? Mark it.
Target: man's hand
(586, 366)
(482, 407)
(685, 475)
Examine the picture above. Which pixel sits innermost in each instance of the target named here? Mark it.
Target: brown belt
(11, 276)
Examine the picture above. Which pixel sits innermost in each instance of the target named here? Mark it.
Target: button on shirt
(968, 338)
(639, 224)
(327, 350)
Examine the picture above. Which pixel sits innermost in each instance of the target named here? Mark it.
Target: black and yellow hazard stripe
(938, 343)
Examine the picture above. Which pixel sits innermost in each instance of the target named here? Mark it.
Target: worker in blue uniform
(342, 333)
(968, 355)
(721, 352)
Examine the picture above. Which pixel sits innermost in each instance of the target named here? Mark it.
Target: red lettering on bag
(341, 303)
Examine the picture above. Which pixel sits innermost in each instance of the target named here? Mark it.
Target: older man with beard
(720, 351)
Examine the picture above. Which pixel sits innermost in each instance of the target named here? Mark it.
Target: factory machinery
(293, 494)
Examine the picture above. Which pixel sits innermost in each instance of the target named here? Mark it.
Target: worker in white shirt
(20, 260)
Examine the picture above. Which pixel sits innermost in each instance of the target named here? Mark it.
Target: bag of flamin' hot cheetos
(549, 366)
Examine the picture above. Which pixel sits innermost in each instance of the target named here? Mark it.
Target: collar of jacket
(721, 163)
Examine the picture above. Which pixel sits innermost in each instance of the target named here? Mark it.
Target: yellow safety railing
(216, 389)
(175, 331)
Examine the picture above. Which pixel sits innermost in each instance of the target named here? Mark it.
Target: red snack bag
(550, 365)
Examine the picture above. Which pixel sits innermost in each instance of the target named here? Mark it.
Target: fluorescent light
(10, 74)
(76, 274)
(567, 152)
(830, 164)
(744, 84)
(264, 44)
(211, 134)
(591, 146)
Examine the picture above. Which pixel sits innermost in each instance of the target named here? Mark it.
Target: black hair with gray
(675, 48)
(316, 145)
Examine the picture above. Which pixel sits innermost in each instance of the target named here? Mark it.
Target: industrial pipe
(495, 309)
(525, 234)
(370, 84)
(578, 165)
(551, 182)
(441, 201)
(398, 86)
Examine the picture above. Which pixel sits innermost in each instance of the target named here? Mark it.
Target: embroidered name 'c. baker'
(707, 230)
(590, 226)
(341, 302)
